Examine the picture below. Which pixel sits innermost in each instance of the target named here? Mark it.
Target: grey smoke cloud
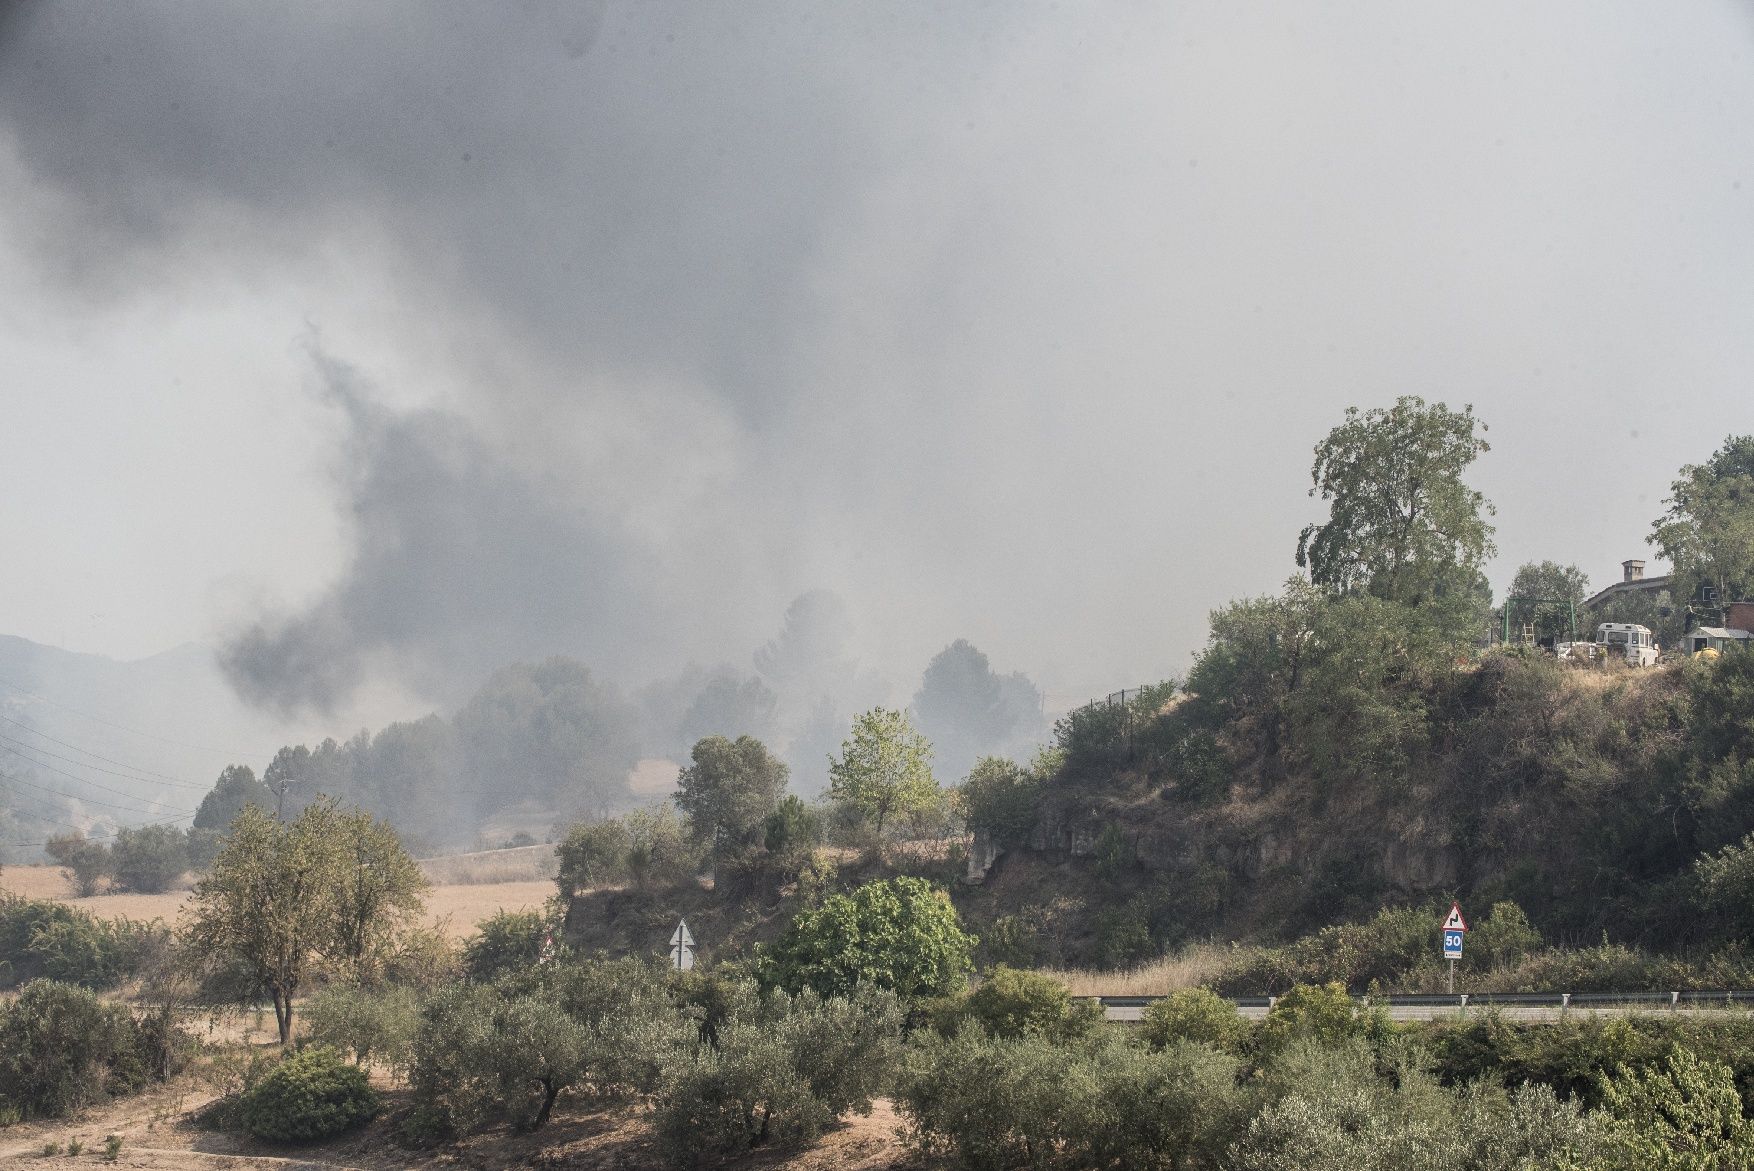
(460, 564)
(1009, 322)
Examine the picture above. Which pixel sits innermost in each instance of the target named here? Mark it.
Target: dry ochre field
(458, 905)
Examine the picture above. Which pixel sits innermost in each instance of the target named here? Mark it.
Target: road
(1541, 1007)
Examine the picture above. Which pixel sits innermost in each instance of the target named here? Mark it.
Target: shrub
(659, 852)
(792, 831)
(1012, 1004)
(1139, 1108)
(1123, 934)
(775, 1073)
(85, 863)
(901, 934)
(148, 859)
(1684, 1115)
(504, 942)
(1321, 1013)
(995, 1104)
(734, 1096)
(1197, 1015)
(592, 854)
(1001, 799)
(1503, 938)
(1381, 950)
(61, 1048)
(509, 1049)
(312, 1095)
(371, 1024)
(39, 938)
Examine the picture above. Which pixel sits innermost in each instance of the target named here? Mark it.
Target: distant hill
(94, 742)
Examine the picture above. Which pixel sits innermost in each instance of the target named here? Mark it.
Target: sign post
(1454, 928)
(681, 947)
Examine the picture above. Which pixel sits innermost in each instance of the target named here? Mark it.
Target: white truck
(1627, 641)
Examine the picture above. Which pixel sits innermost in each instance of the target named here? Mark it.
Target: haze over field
(379, 346)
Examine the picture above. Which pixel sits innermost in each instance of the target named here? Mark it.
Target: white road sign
(681, 947)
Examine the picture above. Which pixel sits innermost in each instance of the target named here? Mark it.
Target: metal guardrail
(1484, 999)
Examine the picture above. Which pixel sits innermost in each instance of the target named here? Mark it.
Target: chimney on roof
(1633, 570)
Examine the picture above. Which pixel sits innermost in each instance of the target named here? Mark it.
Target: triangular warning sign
(1454, 920)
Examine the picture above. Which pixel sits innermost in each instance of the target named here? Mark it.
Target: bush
(901, 934)
(1381, 950)
(999, 1104)
(1138, 1108)
(371, 1024)
(592, 854)
(776, 1073)
(1012, 1004)
(1002, 800)
(792, 831)
(61, 1049)
(1684, 1115)
(1329, 1108)
(39, 938)
(1196, 1015)
(312, 1095)
(504, 942)
(1319, 1013)
(995, 1104)
(1503, 938)
(511, 1048)
(1574, 1055)
(85, 863)
(148, 859)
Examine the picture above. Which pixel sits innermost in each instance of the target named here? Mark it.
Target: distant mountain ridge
(94, 742)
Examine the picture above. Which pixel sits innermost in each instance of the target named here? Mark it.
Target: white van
(1628, 640)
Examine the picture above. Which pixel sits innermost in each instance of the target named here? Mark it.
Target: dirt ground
(158, 1131)
(462, 905)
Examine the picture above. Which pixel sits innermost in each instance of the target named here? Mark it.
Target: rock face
(981, 856)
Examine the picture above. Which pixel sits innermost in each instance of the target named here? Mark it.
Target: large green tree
(1402, 525)
(729, 791)
(884, 768)
(1546, 594)
(1708, 532)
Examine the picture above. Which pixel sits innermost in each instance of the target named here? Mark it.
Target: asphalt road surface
(1529, 1007)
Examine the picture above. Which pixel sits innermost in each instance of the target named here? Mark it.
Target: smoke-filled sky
(380, 344)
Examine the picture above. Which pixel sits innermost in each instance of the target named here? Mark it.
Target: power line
(99, 756)
(96, 769)
(232, 753)
(74, 777)
(157, 806)
(142, 825)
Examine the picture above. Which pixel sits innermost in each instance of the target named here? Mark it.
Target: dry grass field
(459, 905)
(519, 864)
(1185, 969)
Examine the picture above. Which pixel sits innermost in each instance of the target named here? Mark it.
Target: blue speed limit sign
(1452, 945)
